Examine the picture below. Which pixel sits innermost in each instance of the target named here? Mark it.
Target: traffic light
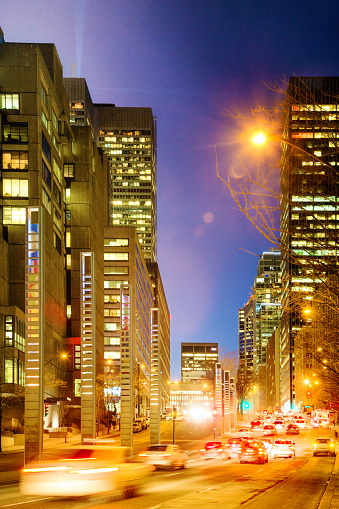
(245, 405)
(46, 409)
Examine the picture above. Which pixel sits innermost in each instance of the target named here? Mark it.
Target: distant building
(194, 399)
(198, 361)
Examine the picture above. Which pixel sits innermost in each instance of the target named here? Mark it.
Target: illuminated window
(68, 170)
(68, 239)
(15, 133)
(15, 187)
(69, 311)
(77, 357)
(114, 284)
(68, 195)
(15, 160)
(77, 387)
(116, 269)
(14, 215)
(9, 101)
(116, 256)
(68, 261)
(116, 242)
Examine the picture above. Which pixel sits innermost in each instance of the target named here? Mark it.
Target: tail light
(44, 469)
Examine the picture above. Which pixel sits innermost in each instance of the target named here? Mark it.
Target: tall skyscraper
(309, 204)
(129, 138)
(267, 301)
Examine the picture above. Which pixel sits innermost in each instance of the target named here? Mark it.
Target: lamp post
(174, 416)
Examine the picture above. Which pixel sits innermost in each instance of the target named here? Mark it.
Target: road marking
(27, 502)
(168, 475)
(207, 489)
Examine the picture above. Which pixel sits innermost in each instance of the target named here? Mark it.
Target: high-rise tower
(309, 204)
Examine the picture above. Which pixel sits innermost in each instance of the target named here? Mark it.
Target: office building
(129, 138)
(267, 301)
(309, 205)
(124, 265)
(198, 361)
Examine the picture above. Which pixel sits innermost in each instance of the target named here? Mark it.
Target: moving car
(88, 471)
(213, 449)
(279, 425)
(292, 429)
(252, 451)
(269, 430)
(256, 424)
(301, 423)
(164, 455)
(323, 445)
(283, 448)
(232, 446)
(244, 432)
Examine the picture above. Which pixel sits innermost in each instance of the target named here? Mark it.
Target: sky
(190, 61)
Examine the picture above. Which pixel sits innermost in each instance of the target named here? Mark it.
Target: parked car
(142, 421)
(88, 471)
(323, 445)
(164, 455)
(213, 449)
(252, 451)
(270, 430)
(283, 448)
(292, 429)
(137, 427)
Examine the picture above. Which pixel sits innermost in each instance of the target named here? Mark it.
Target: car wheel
(242, 461)
(173, 466)
(130, 491)
(266, 460)
(314, 454)
(274, 456)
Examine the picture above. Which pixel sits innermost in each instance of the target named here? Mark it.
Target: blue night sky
(189, 61)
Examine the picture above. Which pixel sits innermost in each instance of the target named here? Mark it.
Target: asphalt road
(281, 483)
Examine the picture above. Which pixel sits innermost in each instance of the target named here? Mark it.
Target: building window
(14, 215)
(116, 256)
(116, 269)
(44, 95)
(69, 311)
(15, 160)
(9, 101)
(15, 187)
(68, 170)
(112, 312)
(46, 148)
(57, 242)
(56, 194)
(68, 238)
(116, 242)
(15, 133)
(46, 174)
(9, 371)
(113, 299)
(57, 170)
(111, 341)
(114, 284)
(77, 357)
(77, 387)
(46, 200)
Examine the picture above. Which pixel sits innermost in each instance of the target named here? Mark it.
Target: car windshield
(213, 445)
(322, 440)
(157, 448)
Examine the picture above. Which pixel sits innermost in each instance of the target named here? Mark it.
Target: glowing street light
(259, 138)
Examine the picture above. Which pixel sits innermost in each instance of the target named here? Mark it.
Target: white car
(283, 448)
(89, 471)
(164, 455)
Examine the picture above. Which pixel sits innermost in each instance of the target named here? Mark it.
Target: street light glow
(259, 138)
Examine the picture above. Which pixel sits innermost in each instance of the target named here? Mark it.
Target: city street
(291, 483)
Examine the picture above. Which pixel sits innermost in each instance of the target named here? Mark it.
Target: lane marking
(27, 502)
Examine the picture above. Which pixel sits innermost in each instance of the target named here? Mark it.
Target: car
(269, 430)
(90, 470)
(142, 421)
(213, 449)
(267, 444)
(292, 429)
(244, 432)
(279, 425)
(255, 424)
(324, 445)
(316, 423)
(232, 446)
(137, 427)
(252, 451)
(283, 448)
(301, 423)
(164, 455)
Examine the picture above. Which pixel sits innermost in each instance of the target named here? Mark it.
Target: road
(281, 483)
